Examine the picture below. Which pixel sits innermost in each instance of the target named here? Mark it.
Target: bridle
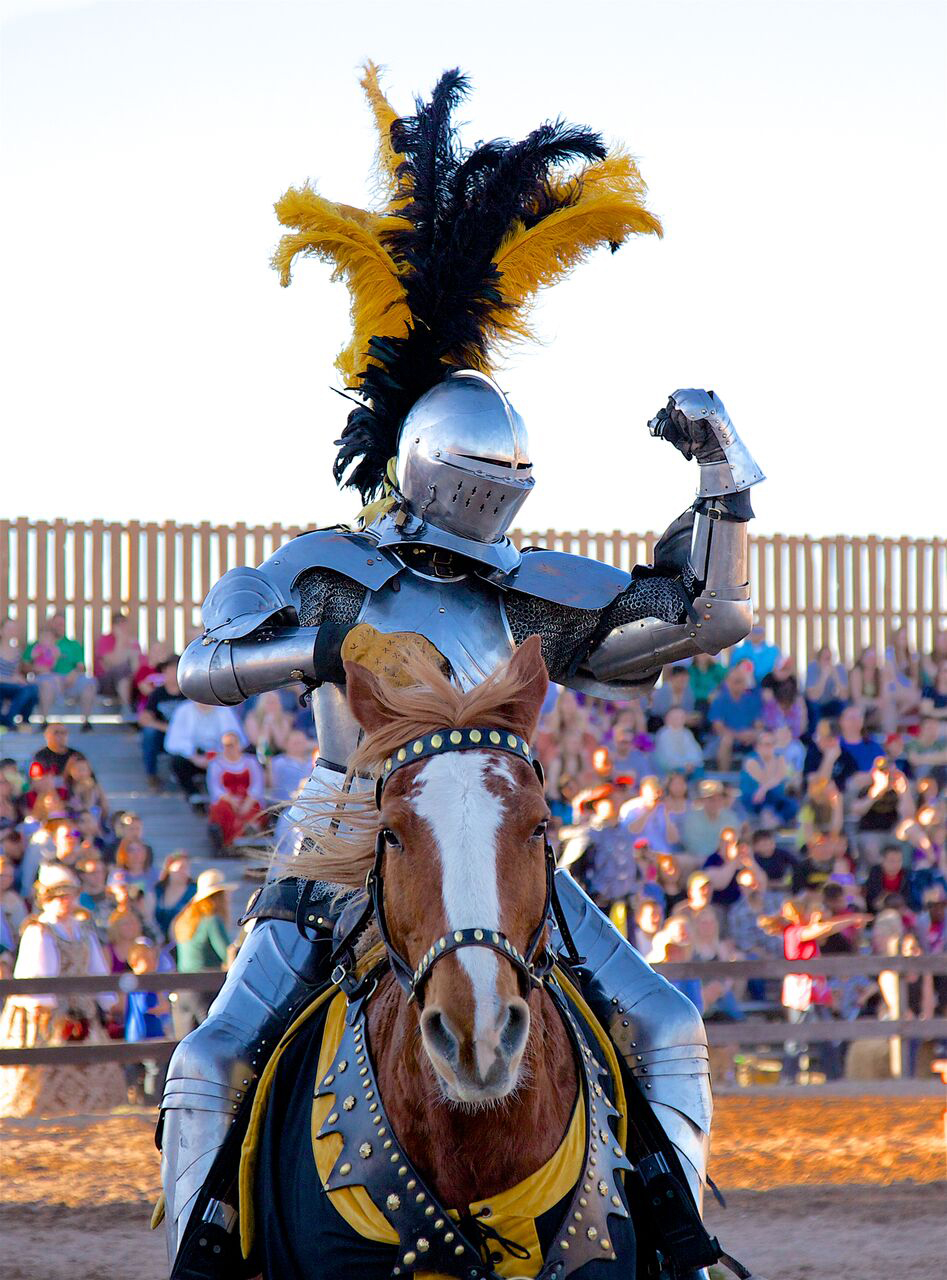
(532, 966)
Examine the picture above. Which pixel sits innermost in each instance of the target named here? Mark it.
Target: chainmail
(326, 596)
(566, 633)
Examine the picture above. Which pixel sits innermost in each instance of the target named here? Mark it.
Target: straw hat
(53, 880)
(211, 882)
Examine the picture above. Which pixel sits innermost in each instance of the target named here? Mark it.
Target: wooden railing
(841, 591)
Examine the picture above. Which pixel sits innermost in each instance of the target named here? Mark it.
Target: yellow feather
(348, 238)
(609, 209)
(385, 116)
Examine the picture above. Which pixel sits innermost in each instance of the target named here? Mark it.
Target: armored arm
(253, 640)
(702, 557)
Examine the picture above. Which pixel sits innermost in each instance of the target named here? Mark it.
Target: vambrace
(213, 1069)
(655, 1028)
(225, 672)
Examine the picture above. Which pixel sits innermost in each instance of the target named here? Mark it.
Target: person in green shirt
(202, 935)
(68, 677)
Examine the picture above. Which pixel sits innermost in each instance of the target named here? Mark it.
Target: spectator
(268, 726)
(761, 656)
(12, 848)
(57, 752)
(934, 696)
(827, 858)
(783, 706)
(649, 920)
(702, 826)
(890, 876)
(826, 686)
(675, 691)
(83, 787)
(46, 796)
(719, 997)
(154, 718)
(675, 747)
(722, 866)
(871, 689)
(174, 890)
(58, 943)
(705, 675)
(879, 806)
(117, 658)
(743, 923)
(193, 738)
(94, 896)
(129, 826)
(289, 773)
(18, 697)
(630, 757)
(124, 927)
(148, 674)
(674, 945)
(927, 753)
(66, 676)
(645, 815)
(202, 934)
(235, 784)
(699, 894)
(736, 717)
(677, 803)
(857, 752)
(12, 906)
(775, 862)
(764, 783)
(670, 880)
(147, 1017)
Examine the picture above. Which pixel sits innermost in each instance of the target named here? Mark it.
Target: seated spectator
(857, 751)
(826, 687)
(927, 753)
(890, 876)
(123, 929)
(46, 797)
(645, 815)
(147, 1017)
(761, 656)
(57, 753)
(792, 751)
(699, 894)
(880, 805)
(12, 849)
(823, 809)
(129, 826)
(148, 674)
(931, 928)
(18, 697)
(776, 863)
(648, 921)
(193, 738)
(611, 865)
(736, 717)
(201, 933)
(719, 997)
(674, 945)
(135, 858)
(872, 690)
(84, 789)
(670, 881)
(705, 675)
(743, 922)
(236, 788)
(267, 726)
(702, 826)
(764, 782)
(94, 896)
(154, 718)
(721, 868)
(675, 747)
(174, 890)
(630, 756)
(89, 826)
(825, 858)
(783, 705)
(12, 907)
(674, 691)
(66, 676)
(117, 658)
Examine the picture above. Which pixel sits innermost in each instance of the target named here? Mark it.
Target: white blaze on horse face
(465, 817)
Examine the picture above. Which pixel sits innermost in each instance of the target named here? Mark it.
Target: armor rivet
(603, 1188)
(393, 1201)
(402, 1170)
(478, 934)
(614, 999)
(618, 1151)
(437, 741)
(510, 740)
(634, 1044)
(381, 1132)
(387, 1142)
(402, 754)
(577, 1216)
(310, 919)
(333, 1118)
(439, 1224)
(458, 936)
(410, 1257)
(342, 1065)
(647, 1086)
(694, 633)
(442, 609)
(456, 738)
(203, 1242)
(458, 1250)
(604, 1243)
(592, 1233)
(369, 561)
(583, 1202)
(699, 625)
(365, 1150)
(319, 920)
(423, 1245)
(429, 1211)
(411, 1184)
(563, 1244)
(494, 737)
(363, 1071)
(616, 1201)
(595, 1146)
(375, 1119)
(624, 1022)
(246, 1082)
(345, 1168)
(417, 747)
(420, 1197)
(571, 1230)
(713, 593)
(349, 1102)
(360, 1059)
(448, 1236)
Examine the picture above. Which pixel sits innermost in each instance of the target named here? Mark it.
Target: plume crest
(446, 273)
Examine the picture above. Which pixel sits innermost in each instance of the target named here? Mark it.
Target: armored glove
(698, 425)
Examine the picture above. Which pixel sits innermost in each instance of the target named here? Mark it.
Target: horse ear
(528, 670)
(365, 698)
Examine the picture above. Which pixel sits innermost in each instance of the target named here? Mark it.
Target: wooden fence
(841, 591)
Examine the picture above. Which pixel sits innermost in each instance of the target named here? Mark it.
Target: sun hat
(53, 879)
(210, 882)
(710, 787)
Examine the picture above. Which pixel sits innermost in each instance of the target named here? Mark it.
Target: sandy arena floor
(815, 1188)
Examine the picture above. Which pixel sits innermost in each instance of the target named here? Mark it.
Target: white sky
(795, 152)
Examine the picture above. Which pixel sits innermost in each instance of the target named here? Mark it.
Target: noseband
(532, 965)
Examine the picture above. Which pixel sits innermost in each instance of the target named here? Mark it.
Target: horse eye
(540, 831)
(390, 838)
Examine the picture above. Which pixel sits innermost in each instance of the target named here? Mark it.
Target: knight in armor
(440, 277)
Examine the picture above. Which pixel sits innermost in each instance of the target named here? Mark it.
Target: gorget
(430, 1238)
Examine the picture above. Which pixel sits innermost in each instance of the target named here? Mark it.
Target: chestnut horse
(475, 1068)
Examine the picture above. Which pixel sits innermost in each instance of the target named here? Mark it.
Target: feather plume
(351, 240)
(385, 115)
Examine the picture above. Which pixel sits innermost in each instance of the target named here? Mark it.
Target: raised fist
(695, 422)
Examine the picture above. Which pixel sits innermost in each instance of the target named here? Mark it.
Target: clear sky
(152, 366)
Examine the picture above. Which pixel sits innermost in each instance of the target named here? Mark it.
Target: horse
(450, 1107)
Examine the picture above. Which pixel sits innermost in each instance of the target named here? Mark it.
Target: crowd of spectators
(747, 810)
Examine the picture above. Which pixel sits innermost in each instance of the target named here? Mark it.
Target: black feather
(460, 205)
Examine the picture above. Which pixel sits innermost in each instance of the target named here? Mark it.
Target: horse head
(461, 841)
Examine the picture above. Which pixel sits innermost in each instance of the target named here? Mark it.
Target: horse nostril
(516, 1029)
(441, 1040)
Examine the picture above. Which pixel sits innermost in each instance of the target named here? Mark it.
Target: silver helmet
(463, 458)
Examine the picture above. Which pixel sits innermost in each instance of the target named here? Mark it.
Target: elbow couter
(721, 622)
(206, 674)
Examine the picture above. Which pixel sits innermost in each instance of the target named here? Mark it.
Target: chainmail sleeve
(326, 596)
(567, 634)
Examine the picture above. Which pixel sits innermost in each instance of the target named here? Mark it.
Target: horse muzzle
(480, 1065)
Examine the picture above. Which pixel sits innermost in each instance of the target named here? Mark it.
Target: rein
(532, 966)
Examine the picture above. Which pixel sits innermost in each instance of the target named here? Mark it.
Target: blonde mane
(340, 826)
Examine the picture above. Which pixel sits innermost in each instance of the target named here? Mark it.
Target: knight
(440, 277)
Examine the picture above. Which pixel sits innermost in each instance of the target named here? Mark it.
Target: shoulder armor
(575, 581)
(245, 599)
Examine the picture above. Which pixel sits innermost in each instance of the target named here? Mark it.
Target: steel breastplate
(460, 617)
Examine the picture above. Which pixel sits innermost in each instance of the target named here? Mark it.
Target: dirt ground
(815, 1188)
